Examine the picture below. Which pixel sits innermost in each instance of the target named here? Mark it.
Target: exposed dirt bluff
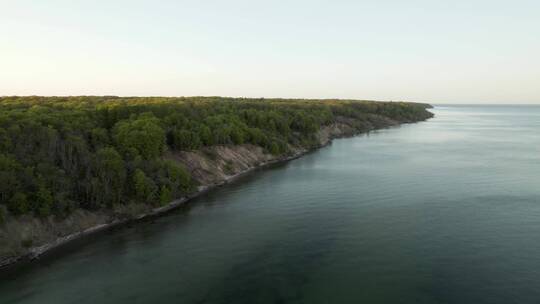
(28, 237)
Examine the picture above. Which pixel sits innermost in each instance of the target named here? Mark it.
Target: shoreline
(36, 252)
(39, 251)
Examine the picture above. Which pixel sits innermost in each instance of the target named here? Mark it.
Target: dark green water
(444, 211)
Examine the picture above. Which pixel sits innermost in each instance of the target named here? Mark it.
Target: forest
(58, 154)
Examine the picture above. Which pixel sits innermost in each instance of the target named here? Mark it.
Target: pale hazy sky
(418, 50)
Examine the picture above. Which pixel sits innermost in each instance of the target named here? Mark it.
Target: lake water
(443, 211)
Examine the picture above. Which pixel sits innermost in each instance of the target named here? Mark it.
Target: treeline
(62, 153)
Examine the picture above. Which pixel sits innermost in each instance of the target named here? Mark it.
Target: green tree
(99, 138)
(9, 169)
(274, 148)
(44, 202)
(183, 140)
(178, 177)
(206, 136)
(143, 136)
(145, 188)
(237, 135)
(18, 204)
(5, 141)
(110, 173)
(165, 195)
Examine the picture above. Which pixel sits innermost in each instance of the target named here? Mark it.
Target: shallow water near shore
(443, 211)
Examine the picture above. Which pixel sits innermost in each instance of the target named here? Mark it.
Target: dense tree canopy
(62, 153)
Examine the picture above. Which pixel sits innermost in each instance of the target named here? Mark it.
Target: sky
(417, 50)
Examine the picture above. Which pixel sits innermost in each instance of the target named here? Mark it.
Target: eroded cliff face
(215, 164)
(28, 237)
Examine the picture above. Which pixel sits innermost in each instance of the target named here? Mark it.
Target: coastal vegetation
(60, 154)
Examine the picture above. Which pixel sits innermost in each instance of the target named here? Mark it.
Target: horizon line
(284, 98)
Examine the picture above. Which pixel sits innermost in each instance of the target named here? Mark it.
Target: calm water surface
(444, 211)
